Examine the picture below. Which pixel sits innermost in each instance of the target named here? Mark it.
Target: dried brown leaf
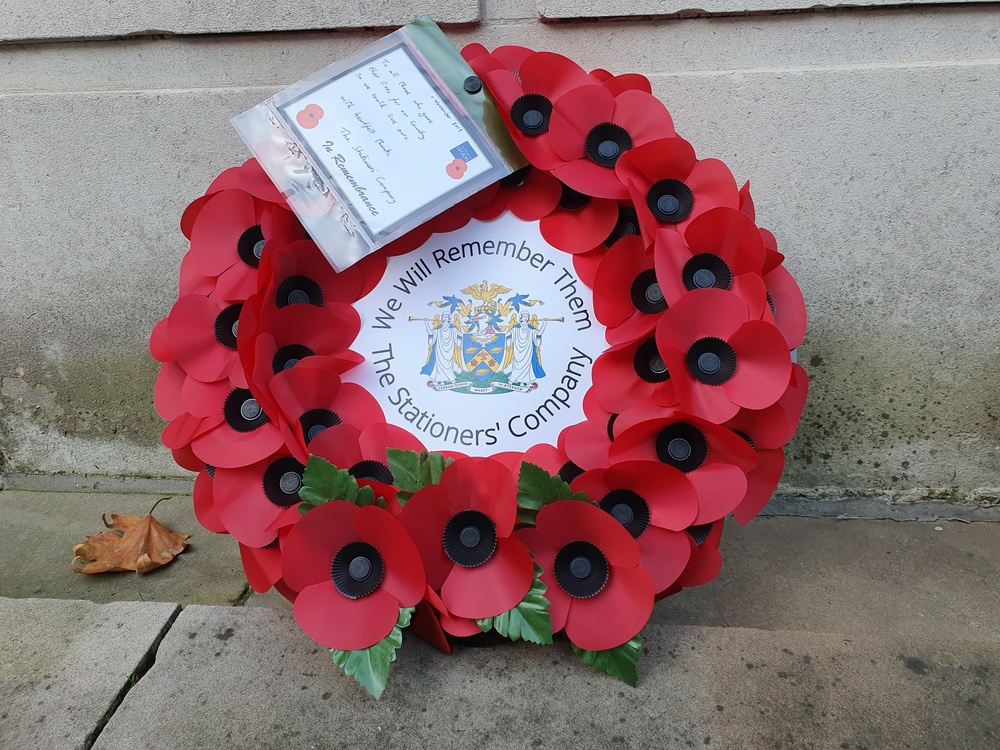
(134, 543)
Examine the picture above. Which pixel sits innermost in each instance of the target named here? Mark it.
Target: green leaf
(618, 661)
(412, 471)
(322, 482)
(528, 620)
(370, 666)
(537, 488)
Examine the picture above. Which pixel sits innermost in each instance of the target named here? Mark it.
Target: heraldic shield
(483, 353)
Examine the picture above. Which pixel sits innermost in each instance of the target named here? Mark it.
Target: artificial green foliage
(370, 666)
(412, 470)
(618, 661)
(529, 620)
(536, 488)
(322, 482)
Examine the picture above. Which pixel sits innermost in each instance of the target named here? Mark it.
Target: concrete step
(73, 677)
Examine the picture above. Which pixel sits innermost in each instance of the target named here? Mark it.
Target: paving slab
(38, 531)
(247, 677)
(934, 580)
(64, 665)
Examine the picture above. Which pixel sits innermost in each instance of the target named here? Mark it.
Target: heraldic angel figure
(444, 347)
(523, 359)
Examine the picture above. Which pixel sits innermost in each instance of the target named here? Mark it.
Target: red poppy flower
(354, 568)
(167, 392)
(714, 459)
(627, 295)
(579, 223)
(597, 590)
(364, 454)
(228, 237)
(655, 503)
(528, 193)
(184, 458)
(706, 562)
(525, 98)
(720, 359)
(633, 373)
(299, 273)
(201, 333)
(586, 444)
(720, 249)
(591, 128)
(434, 623)
(314, 401)
(255, 501)
(669, 186)
(237, 431)
(462, 528)
(309, 116)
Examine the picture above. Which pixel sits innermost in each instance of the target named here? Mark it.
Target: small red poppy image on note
(456, 169)
(310, 116)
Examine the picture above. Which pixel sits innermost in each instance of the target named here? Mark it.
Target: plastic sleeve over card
(360, 174)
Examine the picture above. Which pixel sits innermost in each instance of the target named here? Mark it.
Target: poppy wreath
(367, 532)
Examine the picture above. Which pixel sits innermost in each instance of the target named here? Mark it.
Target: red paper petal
(217, 229)
(589, 178)
(334, 621)
(761, 484)
(746, 201)
(191, 329)
(426, 626)
(763, 366)
(204, 504)
(404, 572)
(706, 562)
(616, 614)
(586, 265)
(226, 448)
(789, 307)
(492, 588)
(729, 234)
(566, 521)
(720, 488)
(485, 485)
(249, 176)
(574, 114)
(159, 342)
(244, 507)
(536, 197)
(311, 545)
(551, 75)
(628, 82)
(642, 114)
(424, 516)
(626, 259)
(167, 391)
(702, 313)
(262, 567)
(582, 230)
(665, 555)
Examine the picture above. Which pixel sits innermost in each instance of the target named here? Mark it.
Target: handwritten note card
(386, 137)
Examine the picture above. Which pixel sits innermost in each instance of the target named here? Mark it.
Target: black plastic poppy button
(373, 471)
(314, 421)
(282, 481)
(242, 412)
(606, 142)
(472, 85)
(227, 324)
(626, 226)
(705, 271)
(648, 363)
(250, 245)
(469, 538)
(647, 297)
(298, 290)
(530, 114)
(288, 356)
(629, 509)
(682, 446)
(580, 569)
(357, 569)
(670, 201)
(711, 361)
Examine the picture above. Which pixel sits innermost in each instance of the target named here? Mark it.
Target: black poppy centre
(242, 412)
(711, 361)
(227, 325)
(314, 421)
(298, 290)
(706, 271)
(581, 569)
(373, 471)
(250, 245)
(629, 509)
(648, 363)
(626, 226)
(357, 569)
(682, 446)
(288, 356)
(572, 200)
(469, 538)
(647, 297)
(531, 113)
(282, 481)
(516, 179)
(606, 142)
(670, 201)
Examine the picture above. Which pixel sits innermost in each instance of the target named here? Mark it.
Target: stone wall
(869, 134)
